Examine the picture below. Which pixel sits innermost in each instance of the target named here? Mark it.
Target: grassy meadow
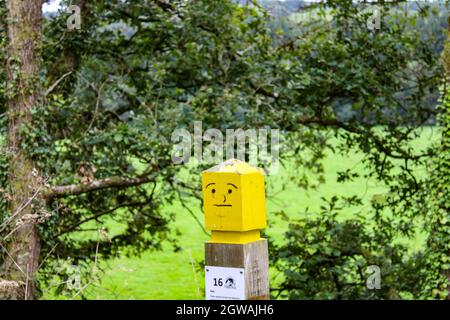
(176, 275)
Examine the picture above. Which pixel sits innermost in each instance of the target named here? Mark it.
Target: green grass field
(176, 275)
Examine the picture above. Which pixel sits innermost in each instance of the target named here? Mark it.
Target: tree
(100, 105)
(327, 257)
(23, 66)
(95, 142)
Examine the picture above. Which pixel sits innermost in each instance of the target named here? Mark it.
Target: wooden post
(237, 261)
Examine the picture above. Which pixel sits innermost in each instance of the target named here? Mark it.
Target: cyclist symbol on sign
(230, 283)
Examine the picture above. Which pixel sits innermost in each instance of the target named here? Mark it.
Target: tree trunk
(20, 261)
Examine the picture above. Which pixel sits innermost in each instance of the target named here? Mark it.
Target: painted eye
(213, 190)
(230, 191)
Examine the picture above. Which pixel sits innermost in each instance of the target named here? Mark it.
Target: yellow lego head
(234, 197)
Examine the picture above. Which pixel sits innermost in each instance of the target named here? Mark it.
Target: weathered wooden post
(237, 262)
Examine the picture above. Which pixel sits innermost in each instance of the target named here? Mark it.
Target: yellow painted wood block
(234, 201)
(235, 236)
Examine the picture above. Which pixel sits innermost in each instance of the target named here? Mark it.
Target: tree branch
(56, 83)
(98, 215)
(400, 154)
(112, 182)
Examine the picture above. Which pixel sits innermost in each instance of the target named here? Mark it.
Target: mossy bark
(23, 65)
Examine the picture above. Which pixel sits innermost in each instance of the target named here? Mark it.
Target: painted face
(234, 197)
(222, 201)
(223, 198)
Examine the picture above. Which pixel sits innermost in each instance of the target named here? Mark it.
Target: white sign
(224, 283)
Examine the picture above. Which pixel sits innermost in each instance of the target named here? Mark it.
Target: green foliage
(138, 70)
(438, 207)
(134, 74)
(327, 257)
(370, 73)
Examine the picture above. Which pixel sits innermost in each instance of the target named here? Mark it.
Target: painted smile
(223, 205)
